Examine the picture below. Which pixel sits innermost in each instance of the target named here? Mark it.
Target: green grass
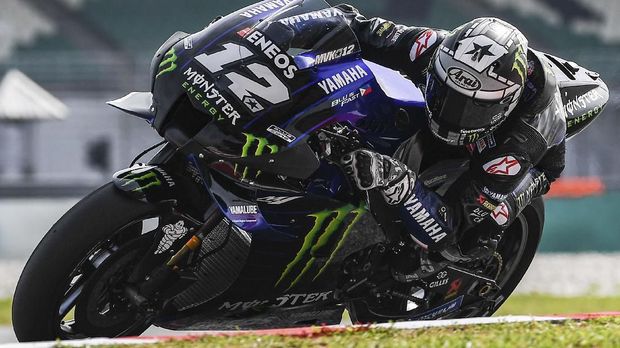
(545, 304)
(5, 312)
(594, 333)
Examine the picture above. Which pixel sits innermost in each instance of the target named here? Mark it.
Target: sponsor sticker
(342, 79)
(478, 215)
(188, 43)
(264, 8)
(441, 279)
(351, 97)
(246, 213)
(488, 142)
(581, 102)
(464, 79)
(494, 195)
(482, 200)
(441, 310)
(281, 133)
(333, 55)
(275, 200)
(243, 209)
(524, 198)
(243, 32)
(327, 13)
(397, 35)
(507, 165)
(423, 218)
(284, 300)
(171, 234)
(384, 28)
(585, 117)
(210, 98)
(279, 58)
(455, 286)
(422, 43)
(501, 214)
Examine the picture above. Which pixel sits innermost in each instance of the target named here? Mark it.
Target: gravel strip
(554, 274)
(573, 275)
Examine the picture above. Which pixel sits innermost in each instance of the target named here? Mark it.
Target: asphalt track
(309, 331)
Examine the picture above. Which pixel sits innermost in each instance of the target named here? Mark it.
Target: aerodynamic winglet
(137, 104)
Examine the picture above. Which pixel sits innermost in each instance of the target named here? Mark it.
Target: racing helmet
(475, 80)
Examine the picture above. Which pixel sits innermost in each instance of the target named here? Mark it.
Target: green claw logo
(169, 63)
(519, 64)
(261, 145)
(326, 224)
(143, 180)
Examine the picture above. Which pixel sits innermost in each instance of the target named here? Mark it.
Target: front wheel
(102, 237)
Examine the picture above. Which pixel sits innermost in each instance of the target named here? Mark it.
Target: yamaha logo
(464, 79)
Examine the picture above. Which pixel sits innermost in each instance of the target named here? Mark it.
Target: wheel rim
(75, 283)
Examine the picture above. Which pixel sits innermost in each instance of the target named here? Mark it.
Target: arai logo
(464, 79)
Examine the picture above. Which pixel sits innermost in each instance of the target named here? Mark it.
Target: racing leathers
(506, 170)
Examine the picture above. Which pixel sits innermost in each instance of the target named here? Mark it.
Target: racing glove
(371, 170)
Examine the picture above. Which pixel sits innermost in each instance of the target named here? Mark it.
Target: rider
(489, 99)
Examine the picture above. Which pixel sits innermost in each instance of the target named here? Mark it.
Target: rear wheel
(517, 250)
(513, 257)
(101, 238)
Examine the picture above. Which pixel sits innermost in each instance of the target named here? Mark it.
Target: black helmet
(475, 80)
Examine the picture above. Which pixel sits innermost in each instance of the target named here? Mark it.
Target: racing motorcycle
(244, 218)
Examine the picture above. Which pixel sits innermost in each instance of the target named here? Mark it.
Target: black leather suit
(506, 169)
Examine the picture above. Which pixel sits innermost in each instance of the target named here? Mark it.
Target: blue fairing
(374, 98)
(297, 228)
(396, 87)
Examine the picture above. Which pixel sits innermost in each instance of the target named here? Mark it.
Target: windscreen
(312, 32)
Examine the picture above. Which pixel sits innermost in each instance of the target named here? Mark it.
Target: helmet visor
(459, 113)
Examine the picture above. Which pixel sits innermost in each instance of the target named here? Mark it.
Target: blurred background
(60, 60)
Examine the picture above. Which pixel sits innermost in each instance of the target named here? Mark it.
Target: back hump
(584, 93)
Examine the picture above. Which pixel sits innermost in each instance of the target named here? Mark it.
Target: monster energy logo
(261, 144)
(519, 64)
(143, 180)
(168, 64)
(326, 224)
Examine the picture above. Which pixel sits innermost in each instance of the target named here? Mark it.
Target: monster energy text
(209, 97)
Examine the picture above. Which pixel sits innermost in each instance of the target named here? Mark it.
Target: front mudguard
(176, 182)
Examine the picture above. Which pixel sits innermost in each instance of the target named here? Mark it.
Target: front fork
(172, 182)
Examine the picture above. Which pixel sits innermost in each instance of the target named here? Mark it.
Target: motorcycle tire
(530, 224)
(43, 283)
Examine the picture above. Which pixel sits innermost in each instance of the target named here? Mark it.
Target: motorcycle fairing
(255, 60)
(166, 87)
(298, 244)
(396, 87)
(251, 47)
(137, 104)
(177, 184)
